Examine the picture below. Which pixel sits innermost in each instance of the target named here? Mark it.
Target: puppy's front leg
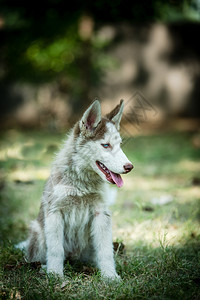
(101, 231)
(54, 233)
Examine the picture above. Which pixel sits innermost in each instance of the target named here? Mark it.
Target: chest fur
(77, 223)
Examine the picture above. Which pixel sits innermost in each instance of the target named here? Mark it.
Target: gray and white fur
(74, 220)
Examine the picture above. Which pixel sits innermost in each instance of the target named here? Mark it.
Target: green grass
(162, 242)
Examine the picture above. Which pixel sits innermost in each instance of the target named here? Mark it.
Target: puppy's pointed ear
(91, 118)
(116, 114)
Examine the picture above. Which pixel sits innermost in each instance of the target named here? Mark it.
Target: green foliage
(42, 42)
(180, 11)
(55, 56)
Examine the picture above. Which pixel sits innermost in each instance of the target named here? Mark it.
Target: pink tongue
(117, 179)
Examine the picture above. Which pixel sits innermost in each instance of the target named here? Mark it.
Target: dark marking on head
(98, 133)
(100, 130)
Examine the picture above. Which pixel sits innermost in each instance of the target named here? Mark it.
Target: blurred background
(55, 58)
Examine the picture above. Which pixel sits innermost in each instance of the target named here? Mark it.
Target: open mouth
(112, 177)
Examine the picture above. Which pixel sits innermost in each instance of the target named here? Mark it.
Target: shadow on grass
(149, 273)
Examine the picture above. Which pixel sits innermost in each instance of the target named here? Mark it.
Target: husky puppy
(74, 220)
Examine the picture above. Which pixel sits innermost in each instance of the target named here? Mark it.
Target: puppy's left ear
(116, 114)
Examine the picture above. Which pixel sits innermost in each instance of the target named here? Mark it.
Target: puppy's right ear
(91, 118)
(116, 114)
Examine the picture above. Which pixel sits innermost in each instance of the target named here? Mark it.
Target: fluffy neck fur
(74, 169)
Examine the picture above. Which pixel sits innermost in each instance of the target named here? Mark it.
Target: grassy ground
(156, 216)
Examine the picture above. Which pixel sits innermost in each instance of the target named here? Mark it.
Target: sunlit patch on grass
(189, 165)
(146, 183)
(150, 232)
(28, 174)
(188, 194)
(13, 151)
(23, 151)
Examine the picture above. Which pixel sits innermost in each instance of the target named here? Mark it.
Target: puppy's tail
(22, 246)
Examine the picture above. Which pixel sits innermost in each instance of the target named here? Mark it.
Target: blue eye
(106, 145)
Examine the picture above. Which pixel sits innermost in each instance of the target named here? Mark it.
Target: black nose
(128, 167)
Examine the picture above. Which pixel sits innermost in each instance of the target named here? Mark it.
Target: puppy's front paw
(55, 272)
(117, 277)
(110, 276)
